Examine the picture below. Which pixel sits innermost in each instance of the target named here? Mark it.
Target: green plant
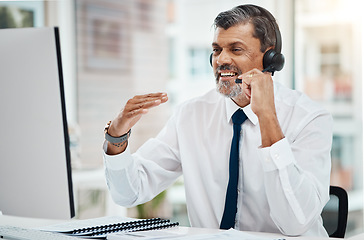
(151, 208)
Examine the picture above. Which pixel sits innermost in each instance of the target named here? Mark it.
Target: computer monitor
(35, 167)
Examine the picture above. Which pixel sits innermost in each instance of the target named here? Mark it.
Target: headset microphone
(238, 80)
(268, 69)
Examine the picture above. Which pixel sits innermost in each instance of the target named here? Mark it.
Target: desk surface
(33, 223)
(357, 237)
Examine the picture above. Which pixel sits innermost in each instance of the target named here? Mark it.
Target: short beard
(228, 90)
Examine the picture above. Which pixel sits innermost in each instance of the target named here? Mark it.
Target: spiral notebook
(100, 228)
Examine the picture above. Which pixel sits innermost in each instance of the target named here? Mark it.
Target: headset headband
(266, 13)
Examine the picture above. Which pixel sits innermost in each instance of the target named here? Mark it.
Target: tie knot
(239, 117)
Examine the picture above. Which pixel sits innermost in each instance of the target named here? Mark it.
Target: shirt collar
(231, 108)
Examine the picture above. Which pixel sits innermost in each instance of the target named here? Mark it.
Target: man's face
(235, 51)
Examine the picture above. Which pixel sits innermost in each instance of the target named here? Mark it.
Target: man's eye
(216, 51)
(237, 49)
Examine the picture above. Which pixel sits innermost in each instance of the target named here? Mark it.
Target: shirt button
(276, 156)
(267, 159)
(238, 191)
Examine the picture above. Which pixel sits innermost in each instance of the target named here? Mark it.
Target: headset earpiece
(211, 59)
(273, 61)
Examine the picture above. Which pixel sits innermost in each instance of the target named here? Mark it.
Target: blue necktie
(228, 218)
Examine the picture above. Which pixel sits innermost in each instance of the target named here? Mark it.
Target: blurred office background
(114, 49)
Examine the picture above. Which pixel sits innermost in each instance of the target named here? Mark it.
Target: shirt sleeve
(137, 178)
(297, 175)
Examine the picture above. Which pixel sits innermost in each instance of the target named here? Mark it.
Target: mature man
(254, 155)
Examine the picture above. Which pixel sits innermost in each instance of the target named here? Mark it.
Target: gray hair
(264, 28)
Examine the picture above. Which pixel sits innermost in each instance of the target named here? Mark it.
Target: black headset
(273, 59)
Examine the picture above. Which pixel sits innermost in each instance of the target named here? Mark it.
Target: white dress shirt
(282, 188)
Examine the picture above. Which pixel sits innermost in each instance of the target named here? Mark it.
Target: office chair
(335, 213)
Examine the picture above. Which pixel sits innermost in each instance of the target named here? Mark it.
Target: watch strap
(111, 139)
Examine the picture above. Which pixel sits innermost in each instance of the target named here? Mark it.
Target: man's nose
(223, 58)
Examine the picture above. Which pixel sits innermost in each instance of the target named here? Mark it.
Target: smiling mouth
(227, 75)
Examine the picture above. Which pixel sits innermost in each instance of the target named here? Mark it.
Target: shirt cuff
(119, 161)
(277, 156)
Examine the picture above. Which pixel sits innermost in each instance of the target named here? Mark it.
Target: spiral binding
(131, 226)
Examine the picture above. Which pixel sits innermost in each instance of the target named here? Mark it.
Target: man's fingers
(247, 90)
(140, 99)
(150, 96)
(141, 103)
(145, 104)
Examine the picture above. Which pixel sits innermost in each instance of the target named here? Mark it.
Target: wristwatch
(111, 139)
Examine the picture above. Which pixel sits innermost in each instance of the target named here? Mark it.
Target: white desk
(357, 237)
(31, 222)
(193, 231)
(27, 222)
